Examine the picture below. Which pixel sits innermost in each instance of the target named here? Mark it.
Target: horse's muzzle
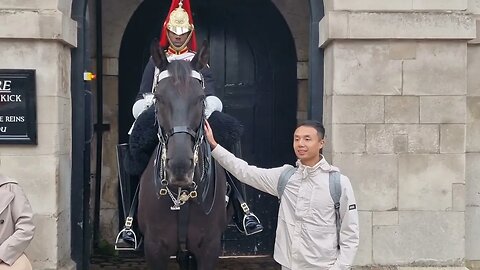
(180, 172)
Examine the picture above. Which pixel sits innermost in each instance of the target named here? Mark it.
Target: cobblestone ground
(138, 263)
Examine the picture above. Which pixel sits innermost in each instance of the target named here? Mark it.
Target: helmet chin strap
(179, 48)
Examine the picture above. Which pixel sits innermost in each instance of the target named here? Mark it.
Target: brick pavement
(229, 263)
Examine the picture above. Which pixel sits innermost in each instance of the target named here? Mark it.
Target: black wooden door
(254, 64)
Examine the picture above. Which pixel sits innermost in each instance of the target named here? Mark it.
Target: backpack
(335, 192)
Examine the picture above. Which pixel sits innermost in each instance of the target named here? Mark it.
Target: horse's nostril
(179, 165)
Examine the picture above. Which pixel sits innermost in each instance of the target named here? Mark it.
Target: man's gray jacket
(306, 232)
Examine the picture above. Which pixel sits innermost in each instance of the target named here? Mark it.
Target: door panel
(241, 62)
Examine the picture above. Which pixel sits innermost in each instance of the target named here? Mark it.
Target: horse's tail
(185, 260)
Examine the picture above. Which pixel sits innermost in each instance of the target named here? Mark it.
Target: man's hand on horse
(209, 135)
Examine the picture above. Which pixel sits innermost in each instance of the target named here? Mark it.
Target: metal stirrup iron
(127, 229)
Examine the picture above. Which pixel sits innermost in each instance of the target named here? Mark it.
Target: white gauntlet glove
(212, 103)
(142, 104)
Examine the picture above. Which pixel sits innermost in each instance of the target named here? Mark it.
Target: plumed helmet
(179, 21)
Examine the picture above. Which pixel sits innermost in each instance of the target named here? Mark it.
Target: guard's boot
(125, 241)
(246, 221)
(251, 224)
(127, 238)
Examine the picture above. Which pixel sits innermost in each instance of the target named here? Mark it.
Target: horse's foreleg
(186, 261)
(207, 258)
(155, 256)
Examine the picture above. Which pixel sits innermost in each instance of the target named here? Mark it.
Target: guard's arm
(208, 80)
(147, 79)
(212, 103)
(144, 97)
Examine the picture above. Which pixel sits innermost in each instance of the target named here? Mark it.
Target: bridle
(160, 173)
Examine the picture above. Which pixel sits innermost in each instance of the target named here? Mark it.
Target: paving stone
(138, 263)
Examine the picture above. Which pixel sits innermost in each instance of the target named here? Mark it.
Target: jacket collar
(171, 50)
(4, 180)
(322, 165)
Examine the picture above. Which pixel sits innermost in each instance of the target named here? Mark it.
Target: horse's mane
(180, 72)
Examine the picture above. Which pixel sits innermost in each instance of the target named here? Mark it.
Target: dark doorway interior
(254, 63)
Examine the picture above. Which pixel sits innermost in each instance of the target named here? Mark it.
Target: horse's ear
(201, 58)
(158, 55)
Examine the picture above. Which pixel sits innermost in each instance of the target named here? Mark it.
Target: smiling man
(307, 235)
(307, 143)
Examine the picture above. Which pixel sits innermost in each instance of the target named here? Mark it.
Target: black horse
(182, 209)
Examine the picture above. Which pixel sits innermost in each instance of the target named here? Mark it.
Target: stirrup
(136, 244)
(244, 223)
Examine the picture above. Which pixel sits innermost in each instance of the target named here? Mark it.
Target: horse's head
(179, 106)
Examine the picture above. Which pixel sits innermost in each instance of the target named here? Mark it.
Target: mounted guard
(179, 43)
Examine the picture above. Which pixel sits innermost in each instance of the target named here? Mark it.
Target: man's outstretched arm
(262, 179)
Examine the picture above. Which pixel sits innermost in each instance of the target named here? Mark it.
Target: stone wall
(472, 159)
(39, 35)
(399, 116)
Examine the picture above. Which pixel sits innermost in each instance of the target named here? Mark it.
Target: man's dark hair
(314, 124)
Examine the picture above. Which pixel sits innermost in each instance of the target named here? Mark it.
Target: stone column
(396, 117)
(472, 172)
(38, 35)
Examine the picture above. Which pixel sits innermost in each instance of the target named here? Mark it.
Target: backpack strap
(336, 193)
(283, 180)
